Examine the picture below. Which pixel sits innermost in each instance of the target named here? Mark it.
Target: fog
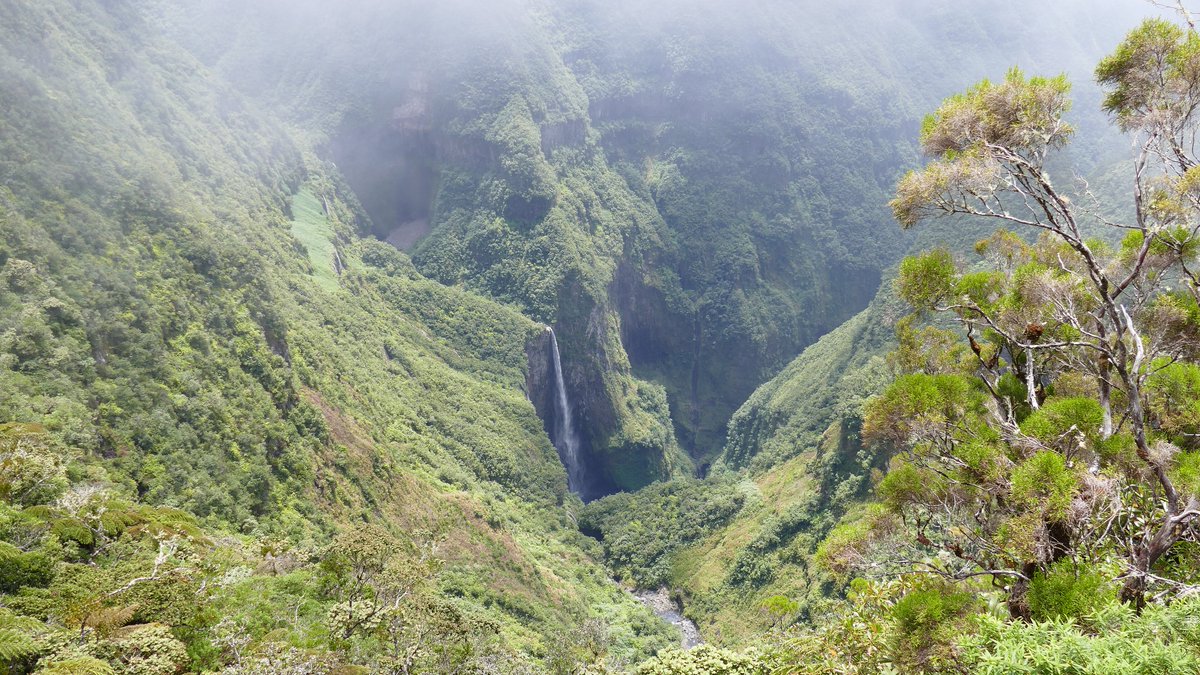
(292, 42)
(402, 88)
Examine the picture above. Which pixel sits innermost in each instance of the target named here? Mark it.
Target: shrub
(1065, 592)
(19, 569)
(705, 659)
(926, 624)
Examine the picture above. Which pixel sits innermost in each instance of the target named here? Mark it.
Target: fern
(115, 522)
(16, 637)
(74, 529)
(39, 511)
(107, 619)
(16, 645)
(84, 665)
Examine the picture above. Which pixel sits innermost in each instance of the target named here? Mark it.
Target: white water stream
(566, 439)
(661, 604)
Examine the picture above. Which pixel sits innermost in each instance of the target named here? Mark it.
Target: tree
(1069, 431)
(704, 659)
(373, 575)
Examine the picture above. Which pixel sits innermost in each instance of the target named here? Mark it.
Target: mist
(417, 335)
(683, 63)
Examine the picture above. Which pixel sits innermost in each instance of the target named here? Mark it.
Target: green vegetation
(573, 161)
(704, 659)
(131, 588)
(1037, 515)
(1031, 437)
(312, 229)
(798, 439)
(671, 515)
(195, 397)
(996, 421)
(873, 632)
(241, 433)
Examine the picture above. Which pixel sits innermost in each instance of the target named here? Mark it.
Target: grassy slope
(312, 229)
(795, 438)
(796, 442)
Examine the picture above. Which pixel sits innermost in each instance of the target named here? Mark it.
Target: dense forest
(583, 336)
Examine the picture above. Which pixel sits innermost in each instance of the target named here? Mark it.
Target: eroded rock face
(563, 416)
(538, 376)
(622, 428)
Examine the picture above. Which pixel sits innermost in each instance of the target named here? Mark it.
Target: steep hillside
(793, 466)
(465, 137)
(189, 321)
(276, 384)
(690, 198)
(792, 452)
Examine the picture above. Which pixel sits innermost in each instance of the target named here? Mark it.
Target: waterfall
(566, 440)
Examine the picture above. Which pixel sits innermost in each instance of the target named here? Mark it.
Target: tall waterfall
(566, 440)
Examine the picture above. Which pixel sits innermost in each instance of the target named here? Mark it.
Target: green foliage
(928, 349)
(1063, 421)
(906, 484)
(17, 638)
(19, 569)
(926, 621)
(1123, 644)
(841, 549)
(1154, 52)
(148, 649)
(1186, 472)
(798, 441)
(919, 400)
(1021, 114)
(704, 659)
(1043, 483)
(30, 471)
(852, 639)
(1067, 592)
(641, 531)
(527, 173)
(928, 279)
(780, 605)
(1174, 393)
(84, 665)
(879, 628)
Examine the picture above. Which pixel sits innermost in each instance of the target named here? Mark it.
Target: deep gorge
(513, 336)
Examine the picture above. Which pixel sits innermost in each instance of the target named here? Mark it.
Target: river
(661, 604)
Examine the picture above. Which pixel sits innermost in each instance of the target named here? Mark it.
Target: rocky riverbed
(661, 604)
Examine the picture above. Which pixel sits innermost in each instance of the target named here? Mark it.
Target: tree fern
(107, 619)
(74, 529)
(84, 665)
(17, 637)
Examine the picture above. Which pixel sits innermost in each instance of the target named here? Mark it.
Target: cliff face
(198, 309)
(539, 378)
(690, 201)
(604, 221)
(197, 327)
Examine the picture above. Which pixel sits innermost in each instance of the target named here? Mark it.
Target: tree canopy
(1055, 448)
